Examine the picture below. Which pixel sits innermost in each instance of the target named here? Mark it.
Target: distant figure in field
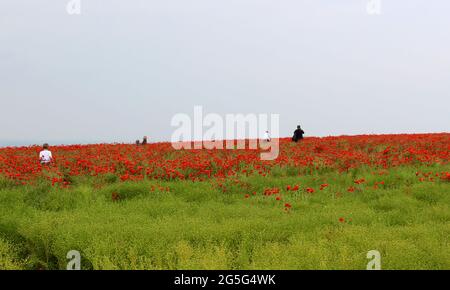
(144, 140)
(138, 142)
(267, 136)
(45, 156)
(298, 134)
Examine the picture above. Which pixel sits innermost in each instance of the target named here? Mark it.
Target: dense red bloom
(341, 220)
(132, 163)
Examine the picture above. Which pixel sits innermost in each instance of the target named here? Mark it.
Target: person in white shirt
(45, 156)
(267, 136)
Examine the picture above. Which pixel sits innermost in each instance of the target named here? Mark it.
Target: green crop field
(153, 224)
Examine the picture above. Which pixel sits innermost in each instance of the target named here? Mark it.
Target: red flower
(125, 177)
(310, 190)
(341, 220)
(359, 181)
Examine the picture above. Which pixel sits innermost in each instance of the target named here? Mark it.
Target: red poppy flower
(310, 190)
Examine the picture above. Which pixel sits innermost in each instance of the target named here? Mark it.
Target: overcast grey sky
(122, 69)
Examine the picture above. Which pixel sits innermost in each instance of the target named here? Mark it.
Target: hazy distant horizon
(67, 143)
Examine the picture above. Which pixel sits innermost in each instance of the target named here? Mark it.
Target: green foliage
(201, 225)
(51, 199)
(6, 183)
(110, 178)
(9, 258)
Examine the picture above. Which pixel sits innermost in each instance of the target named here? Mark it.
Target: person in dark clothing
(144, 140)
(298, 134)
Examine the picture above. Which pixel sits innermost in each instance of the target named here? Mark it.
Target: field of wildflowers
(322, 204)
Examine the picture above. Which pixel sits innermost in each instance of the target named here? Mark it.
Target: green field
(198, 225)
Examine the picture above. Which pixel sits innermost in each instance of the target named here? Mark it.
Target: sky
(120, 70)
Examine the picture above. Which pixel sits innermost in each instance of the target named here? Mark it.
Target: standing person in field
(298, 134)
(267, 136)
(45, 156)
(144, 140)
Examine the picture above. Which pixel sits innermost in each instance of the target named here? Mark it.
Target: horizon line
(21, 144)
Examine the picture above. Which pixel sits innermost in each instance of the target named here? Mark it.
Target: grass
(197, 225)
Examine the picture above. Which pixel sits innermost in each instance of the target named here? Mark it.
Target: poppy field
(322, 204)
